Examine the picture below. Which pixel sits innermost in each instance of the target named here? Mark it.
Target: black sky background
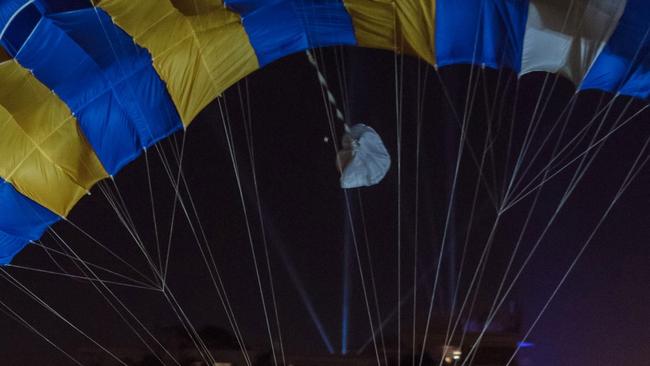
(600, 316)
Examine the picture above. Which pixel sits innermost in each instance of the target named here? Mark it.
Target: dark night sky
(600, 316)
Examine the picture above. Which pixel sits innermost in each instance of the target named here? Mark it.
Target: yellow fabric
(44, 154)
(374, 23)
(402, 25)
(197, 56)
(196, 7)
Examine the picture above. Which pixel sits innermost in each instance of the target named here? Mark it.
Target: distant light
(448, 360)
(326, 139)
(525, 344)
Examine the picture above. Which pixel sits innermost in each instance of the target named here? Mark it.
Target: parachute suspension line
(492, 130)
(635, 169)
(487, 147)
(223, 297)
(119, 207)
(630, 176)
(511, 129)
(49, 255)
(575, 141)
(167, 293)
(482, 268)
(161, 276)
(399, 88)
(449, 334)
(213, 270)
(48, 251)
(200, 346)
(177, 197)
(577, 177)
(468, 108)
(581, 136)
(459, 121)
(480, 272)
(82, 278)
(7, 276)
(153, 209)
(363, 280)
(493, 311)
(372, 277)
(617, 126)
(248, 127)
(127, 220)
(568, 110)
(530, 132)
(571, 145)
(112, 303)
(327, 97)
(15, 316)
(109, 251)
(389, 317)
(422, 82)
(474, 284)
(233, 156)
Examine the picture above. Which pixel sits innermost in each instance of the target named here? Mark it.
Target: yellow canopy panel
(197, 56)
(402, 26)
(44, 154)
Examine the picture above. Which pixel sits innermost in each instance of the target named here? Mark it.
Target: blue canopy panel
(280, 28)
(107, 81)
(489, 32)
(58, 6)
(7, 10)
(623, 66)
(21, 221)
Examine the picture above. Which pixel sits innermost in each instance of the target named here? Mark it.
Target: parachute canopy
(87, 85)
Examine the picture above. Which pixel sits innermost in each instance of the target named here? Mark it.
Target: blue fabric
(624, 64)
(21, 221)
(56, 6)
(20, 28)
(489, 32)
(111, 86)
(281, 28)
(7, 9)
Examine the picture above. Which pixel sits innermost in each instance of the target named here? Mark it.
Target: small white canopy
(363, 159)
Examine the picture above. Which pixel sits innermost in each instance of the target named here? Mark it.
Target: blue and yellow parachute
(86, 85)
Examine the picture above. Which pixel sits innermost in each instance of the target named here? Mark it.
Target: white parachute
(363, 159)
